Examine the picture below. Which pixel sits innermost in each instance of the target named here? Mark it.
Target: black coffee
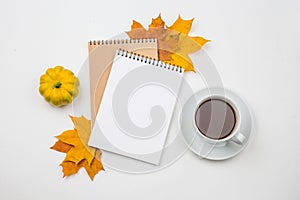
(215, 119)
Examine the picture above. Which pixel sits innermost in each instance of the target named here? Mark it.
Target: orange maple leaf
(61, 147)
(78, 138)
(78, 153)
(174, 43)
(70, 168)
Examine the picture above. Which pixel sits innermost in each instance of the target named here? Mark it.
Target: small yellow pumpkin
(59, 86)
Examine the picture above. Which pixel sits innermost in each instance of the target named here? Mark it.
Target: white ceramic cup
(236, 135)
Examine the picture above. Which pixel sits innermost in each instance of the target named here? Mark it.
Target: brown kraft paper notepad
(101, 57)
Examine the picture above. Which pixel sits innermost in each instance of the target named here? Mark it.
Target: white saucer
(196, 142)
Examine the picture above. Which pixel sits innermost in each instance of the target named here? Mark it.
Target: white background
(255, 47)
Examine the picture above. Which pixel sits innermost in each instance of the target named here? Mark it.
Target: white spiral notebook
(137, 107)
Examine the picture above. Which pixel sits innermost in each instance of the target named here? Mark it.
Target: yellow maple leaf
(71, 168)
(174, 43)
(78, 138)
(83, 127)
(95, 166)
(78, 153)
(182, 26)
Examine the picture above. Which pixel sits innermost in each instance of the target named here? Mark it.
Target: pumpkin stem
(56, 85)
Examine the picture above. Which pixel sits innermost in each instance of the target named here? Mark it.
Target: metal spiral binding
(148, 60)
(125, 41)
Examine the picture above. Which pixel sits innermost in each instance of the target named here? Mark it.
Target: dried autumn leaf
(181, 25)
(70, 168)
(155, 30)
(61, 147)
(83, 127)
(78, 138)
(79, 150)
(78, 153)
(95, 166)
(174, 44)
(139, 29)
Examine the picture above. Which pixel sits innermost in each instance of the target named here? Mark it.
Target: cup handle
(239, 138)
